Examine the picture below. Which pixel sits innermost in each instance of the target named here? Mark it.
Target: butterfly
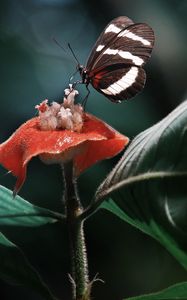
(115, 64)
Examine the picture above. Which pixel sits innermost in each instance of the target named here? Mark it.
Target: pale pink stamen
(61, 116)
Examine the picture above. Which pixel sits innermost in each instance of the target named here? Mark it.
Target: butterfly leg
(86, 98)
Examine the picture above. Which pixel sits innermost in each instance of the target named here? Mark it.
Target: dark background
(33, 68)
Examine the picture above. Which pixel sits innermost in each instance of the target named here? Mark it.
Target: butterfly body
(84, 74)
(115, 65)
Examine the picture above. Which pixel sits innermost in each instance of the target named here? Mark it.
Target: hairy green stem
(79, 275)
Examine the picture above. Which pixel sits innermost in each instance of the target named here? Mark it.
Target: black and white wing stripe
(106, 38)
(132, 45)
(119, 84)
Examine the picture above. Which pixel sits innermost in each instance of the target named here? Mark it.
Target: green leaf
(174, 292)
(153, 229)
(18, 212)
(15, 269)
(149, 184)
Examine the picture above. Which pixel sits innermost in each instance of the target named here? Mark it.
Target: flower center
(58, 116)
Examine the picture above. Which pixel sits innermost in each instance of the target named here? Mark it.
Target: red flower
(95, 141)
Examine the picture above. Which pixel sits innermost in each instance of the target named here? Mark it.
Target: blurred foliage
(33, 68)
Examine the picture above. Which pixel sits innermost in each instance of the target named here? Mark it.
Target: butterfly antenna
(73, 53)
(59, 44)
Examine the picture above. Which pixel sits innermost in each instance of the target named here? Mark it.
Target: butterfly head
(83, 72)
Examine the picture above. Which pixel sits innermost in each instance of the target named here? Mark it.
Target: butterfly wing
(106, 37)
(132, 45)
(119, 82)
(117, 58)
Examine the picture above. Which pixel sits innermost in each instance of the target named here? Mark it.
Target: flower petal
(96, 141)
(96, 150)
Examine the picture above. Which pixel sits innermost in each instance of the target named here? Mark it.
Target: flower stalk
(79, 272)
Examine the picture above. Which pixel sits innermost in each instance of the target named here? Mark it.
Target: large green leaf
(18, 212)
(15, 269)
(149, 184)
(174, 292)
